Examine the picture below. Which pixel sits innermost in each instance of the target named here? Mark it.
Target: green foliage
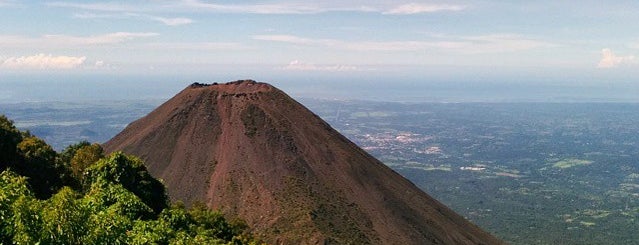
(85, 157)
(9, 139)
(112, 197)
(67, 154)
(108, 227)
(33, 158)
(107, 214)
(214, 224)
(39, 165)
(27, 220)
(113, 210)
(12, 188)
(64, 161)
(131, 173)
(119, 202)
(35, 149)
(64, 218)
(177, 225)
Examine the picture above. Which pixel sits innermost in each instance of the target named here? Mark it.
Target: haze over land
(568, 166)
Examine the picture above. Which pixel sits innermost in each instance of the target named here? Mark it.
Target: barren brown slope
(253, 152)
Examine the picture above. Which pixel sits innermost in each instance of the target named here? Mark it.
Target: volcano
(251, 151)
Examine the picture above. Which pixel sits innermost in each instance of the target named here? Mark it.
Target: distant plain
(528, 172)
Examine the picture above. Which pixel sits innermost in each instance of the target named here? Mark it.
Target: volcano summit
(253, 152)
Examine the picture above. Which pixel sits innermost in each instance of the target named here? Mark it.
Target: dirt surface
(253, 152)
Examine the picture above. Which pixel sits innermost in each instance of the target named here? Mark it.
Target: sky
(546, 41)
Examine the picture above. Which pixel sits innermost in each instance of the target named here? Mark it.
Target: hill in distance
(253, 152)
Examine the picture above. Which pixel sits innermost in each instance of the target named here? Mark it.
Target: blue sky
(484, 39)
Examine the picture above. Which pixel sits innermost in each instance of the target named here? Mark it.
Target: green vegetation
(82, 197)
(424, 166)
(520, 197)
(253, 119)
(84, 157)
(366, 114)
(312, 206)
(10, 138)
(131, 173)
(569, 163)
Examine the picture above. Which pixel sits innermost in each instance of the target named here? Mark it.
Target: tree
(27, 221)
(120, 202)
(64, 161)
(85, 157)
(12, 188)
(9, 139)
(130, 172)
(107, 214)
(38, 164)
(213, 224)
(64, 218)
(113, 211)
(105, 195)
(177, 225)
(67, 154)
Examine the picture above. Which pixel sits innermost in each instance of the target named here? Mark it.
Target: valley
(530, 173)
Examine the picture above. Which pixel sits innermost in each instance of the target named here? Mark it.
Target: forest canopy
(80, 196)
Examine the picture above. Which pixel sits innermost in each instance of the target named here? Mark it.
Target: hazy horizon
(79, 88)
(392, 50)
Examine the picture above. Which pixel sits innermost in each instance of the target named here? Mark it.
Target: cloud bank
(266, 7)
(110, 38)
(610, 60)
(495, 43)
(296, 65)
(7, 3)
(43, 62)
(420, 8)
(172, 21)
(58, 41)
(167, 21)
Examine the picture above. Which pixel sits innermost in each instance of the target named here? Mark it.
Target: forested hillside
(80, 196)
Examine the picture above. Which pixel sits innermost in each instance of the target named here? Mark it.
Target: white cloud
(399, 45)
(296, 65)
(348, 45)
(110, 38)
(43, 62)
(610, 60)
(110, 6)
(201, 6)
(280, 8)
(497, 43)
(199, 46)
(8, 3)
(98, 16)
(57, 41)
(420, 8)
(291, 39)
(309, 7)
(167, 21)
(502, 43)
(172, 21)
(322, 6)
(100, 65)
